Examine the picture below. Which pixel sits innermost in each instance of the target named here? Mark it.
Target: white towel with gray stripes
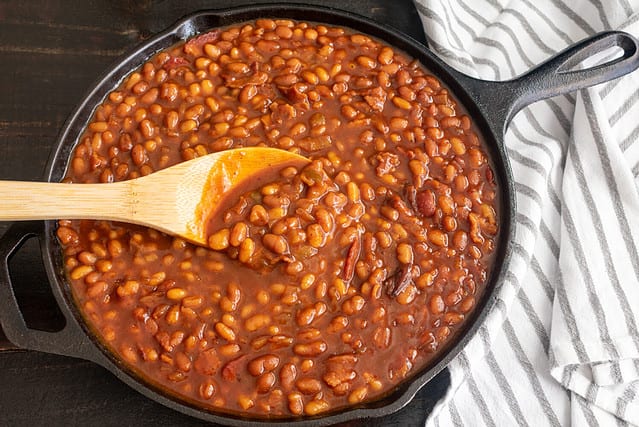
(562, 346)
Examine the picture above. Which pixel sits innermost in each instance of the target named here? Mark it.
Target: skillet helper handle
(558, 75)
(70, 341)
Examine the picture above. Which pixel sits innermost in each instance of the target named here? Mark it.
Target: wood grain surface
(51, 52)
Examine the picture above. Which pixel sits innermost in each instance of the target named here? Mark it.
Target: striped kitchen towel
(562, 345)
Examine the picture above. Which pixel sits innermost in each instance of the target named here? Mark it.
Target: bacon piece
(294, 94)
(386, 163)
(175, 62)
(233, 81)
(351, 259)
(195, 45)
(398, 281)
(231, 369)
(376, 98)
(208, 362)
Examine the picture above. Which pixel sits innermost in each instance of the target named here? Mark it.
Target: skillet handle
(70, 341)
(558, 75)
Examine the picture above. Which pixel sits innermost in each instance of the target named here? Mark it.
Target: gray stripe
(529, 30)
(622, 402)
(630, 373)
(630, 21)
(615, 367)
(502, 382)
(623, 108)
(588, 414)
(496, 4)
(635, 170)
(566, 377)
(550, 239)
(529, 369)
(535, 321)
(573, 16)
(522, 219)
(460, 45)
(432, 15)
(528, 191)
(626, 7)
(608, 87)
(454, 414)
(549, 290)
(444, 51)
(593, 297)
(500, 47)
(478, 398)
(564, 121)
(562, 143)
(630, 139)
(602, 13)
(463, 24)
(528, 162)
(521, 251)
(516, 42)
(571, 97)
(554, 197)
(436, 419)
(571, 323)
(565, 37)
(538, 326)
(620, 214)
(591, 393)
(488, 63)
(471, 12)
(552, 361)
(447, 53)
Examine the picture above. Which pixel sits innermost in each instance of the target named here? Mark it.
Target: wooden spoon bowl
(177, 200)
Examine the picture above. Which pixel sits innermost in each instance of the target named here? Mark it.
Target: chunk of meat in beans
(376, 251)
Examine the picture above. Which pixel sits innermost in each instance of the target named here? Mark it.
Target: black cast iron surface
(50, 53)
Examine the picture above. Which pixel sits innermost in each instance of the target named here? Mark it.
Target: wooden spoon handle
(21, 200)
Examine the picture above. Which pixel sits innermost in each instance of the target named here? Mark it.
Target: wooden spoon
(178, 200)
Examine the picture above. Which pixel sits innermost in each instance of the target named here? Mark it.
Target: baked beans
(322, 289)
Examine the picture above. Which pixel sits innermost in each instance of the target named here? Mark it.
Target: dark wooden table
(51, 51)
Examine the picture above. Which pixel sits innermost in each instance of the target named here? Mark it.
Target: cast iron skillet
(491, 106)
